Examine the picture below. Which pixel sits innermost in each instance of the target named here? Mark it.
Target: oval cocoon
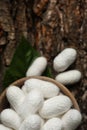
(10, 119)
(15, 96)
(2, 127)
(32, 103)
(53, 124)
(71, 119)
(55, 106)
(69, 77)
(42, 121)
(33, 122)
(48, 89)
(37, 67)
(63, 60)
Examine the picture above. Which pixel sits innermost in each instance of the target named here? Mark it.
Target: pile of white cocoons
(38, 105)
(60, 64)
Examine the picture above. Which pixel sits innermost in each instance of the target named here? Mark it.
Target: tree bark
(51, 26)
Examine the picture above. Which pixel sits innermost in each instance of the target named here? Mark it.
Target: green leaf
(24, 55)
(48, 72)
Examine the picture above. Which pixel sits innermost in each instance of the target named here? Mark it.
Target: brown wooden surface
(51, 26)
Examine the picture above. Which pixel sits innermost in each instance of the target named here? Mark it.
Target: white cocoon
(2, 127)
(37, 67)
(15, 96)
(69, 77)
(32, 103)
(55, 106)
(53, 124)
(10, 119)
(42, 121)
(63, 60)
(32, 122)
(48, 89)
(71, 119)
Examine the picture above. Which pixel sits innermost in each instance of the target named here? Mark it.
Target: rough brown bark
(51, 26)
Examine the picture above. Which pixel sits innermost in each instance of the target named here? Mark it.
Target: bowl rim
(65, 90)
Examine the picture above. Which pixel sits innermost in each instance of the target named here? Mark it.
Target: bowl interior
(4, 103)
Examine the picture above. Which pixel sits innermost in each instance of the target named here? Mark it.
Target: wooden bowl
(4, 103)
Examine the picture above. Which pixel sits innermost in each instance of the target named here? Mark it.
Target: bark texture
(51, 26)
